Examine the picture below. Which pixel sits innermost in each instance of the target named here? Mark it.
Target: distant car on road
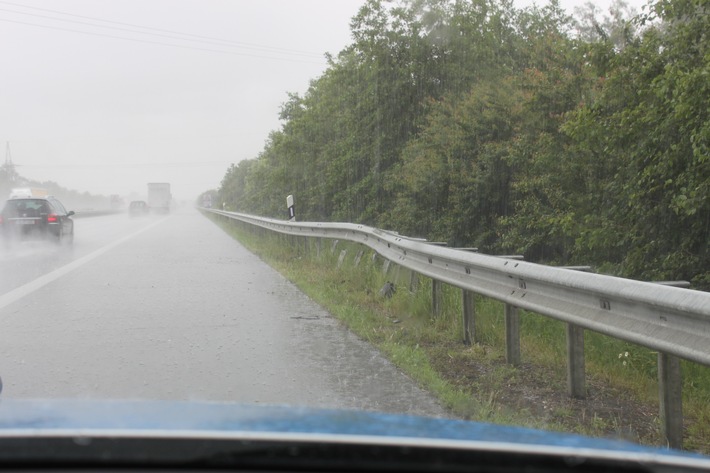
(137, 208)
(36, 216)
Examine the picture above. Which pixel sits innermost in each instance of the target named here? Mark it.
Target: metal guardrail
(664, 318)
(671, 320)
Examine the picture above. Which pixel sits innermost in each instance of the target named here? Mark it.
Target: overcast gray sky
(107, 110)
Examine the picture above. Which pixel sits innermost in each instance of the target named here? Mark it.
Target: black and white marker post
(291, 208)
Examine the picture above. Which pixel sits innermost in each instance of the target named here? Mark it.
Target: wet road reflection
(173, 308)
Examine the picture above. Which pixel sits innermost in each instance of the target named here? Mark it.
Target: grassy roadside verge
(474, 382)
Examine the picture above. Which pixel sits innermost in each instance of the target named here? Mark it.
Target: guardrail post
(358, 257)
(319, 244)
(512, 335)
(469, 314)
(396, 274)
(671, 400)
(436, 297)
(296, 244)
(670, 392)
(413, 281)
(341, 258)
(575, 362)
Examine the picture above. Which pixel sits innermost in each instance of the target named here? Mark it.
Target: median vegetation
(473, 381)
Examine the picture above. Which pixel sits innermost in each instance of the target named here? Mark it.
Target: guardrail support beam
(358, 257)
(341, 258)
(576, 386)
(436, 292)
(512, 335)
(396, 274)
(413, 281)
(671, 400)
(469, 317)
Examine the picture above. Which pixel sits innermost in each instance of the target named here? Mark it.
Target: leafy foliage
(570, 140)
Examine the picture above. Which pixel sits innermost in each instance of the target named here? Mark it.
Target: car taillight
(51, 218)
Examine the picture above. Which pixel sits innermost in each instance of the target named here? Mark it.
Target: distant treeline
(571, 140)
(73, 200)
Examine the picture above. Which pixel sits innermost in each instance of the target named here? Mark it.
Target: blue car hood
(227, 420)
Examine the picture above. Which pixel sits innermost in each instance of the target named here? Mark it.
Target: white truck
(28, 192)
(159, 197)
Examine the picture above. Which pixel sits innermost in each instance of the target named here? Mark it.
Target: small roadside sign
(291, 208)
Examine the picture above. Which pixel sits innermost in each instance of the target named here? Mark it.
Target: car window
(25, 208)
(59, 208)
(44, 208)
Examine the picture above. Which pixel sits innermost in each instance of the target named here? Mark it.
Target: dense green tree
(232, 191)
(570, 140)
(652, 118)
(454, 180)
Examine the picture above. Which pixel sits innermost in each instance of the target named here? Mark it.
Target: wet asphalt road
(171, 307)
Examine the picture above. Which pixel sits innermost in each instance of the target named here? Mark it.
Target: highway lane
(172, 308)
(24, 261)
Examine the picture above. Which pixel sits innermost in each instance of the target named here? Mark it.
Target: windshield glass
(498, 160)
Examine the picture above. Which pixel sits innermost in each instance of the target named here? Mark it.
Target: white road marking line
(26, 289)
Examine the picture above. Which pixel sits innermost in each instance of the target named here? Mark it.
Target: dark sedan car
(37, 216)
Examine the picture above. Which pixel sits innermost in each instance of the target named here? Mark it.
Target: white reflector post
(291, 208)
